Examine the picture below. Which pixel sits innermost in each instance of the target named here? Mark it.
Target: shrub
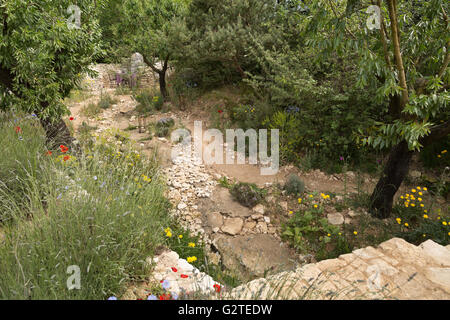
(247, 194)
(91, 110)
(106, 101)
(148, 101)
(294, 185)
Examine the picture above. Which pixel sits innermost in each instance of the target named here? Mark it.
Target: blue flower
(112, 298)
(165, 284)
(152, 297)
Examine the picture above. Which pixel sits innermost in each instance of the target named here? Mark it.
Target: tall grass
(94, 212)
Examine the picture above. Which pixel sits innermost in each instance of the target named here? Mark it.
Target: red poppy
(217, 287)
(18, 129)
(174, 269)
(220, 111)
(184, 276)
(49, 153)
(164, 296)
(64, 149)
(66, 158)
(71, 118)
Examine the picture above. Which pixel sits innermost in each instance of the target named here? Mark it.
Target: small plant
(247, 194)
(163, 127)
(91, 110)
(294, 185)
(148, 101)
(106, 101)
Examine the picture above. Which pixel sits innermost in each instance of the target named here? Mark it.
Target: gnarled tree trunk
(393, 175)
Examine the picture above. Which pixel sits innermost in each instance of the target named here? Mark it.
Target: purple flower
(165, 284)
(152, 297)
(112, 298)
(341, 158)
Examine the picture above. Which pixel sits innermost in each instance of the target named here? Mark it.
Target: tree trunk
(393, 175)
(57, 134)
(162, 84)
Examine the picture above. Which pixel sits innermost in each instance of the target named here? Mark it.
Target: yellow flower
(310, 195)
(355, 232)
(425, 189)
(425, 211)
(413, 205)
(413, 190)
(422, 205)
(406, 224)
(418, 188)
(191, 244)
(191, 259)
(444, 223)
(299, 200)
(444, 152)
(419, 199)
(420, 194)
(315, 206)
(180, 236)
(401, 197)
(169, 234)
(167, 230)
(340, 233)
(425, 216)
(399, 221)
(291, 212)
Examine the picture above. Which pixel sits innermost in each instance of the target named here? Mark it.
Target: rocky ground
(243, 239)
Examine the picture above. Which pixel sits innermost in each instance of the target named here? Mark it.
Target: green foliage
(294, 185)
(163, 127)
(309, 231)
(106, 101)
(148, 101)
(99, 212)
(247, 194)
(91, 110)
(42, 57)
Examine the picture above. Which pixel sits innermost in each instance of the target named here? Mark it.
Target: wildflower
(340, 233)
(291, 212)
(401, 197)
(152, 297)
(299, 200)
(341, 158)
(71, 118)
(165, 284)
(18, 129)
(315, 206)
(444, 152)
(425, 211)
(191, 244)
(355, 233)
(184, 276)
(191, 259)
(420, 194)
(174, 269)
(169, 234)
(424, 235)
(180, 236)
(413, 190)
(63, 148)
(329, 235)
(418, 188)
(220, 111)
(406, 224)
(217, 287)
(95, 178)
(164, 296)
(419, 199)
(399, 221)
(425, 189)
(66, 158)
(425, 216)
(311, 196)
(167, 230)
(112, 298)
(174, 295)
(413, 205)
(444, 223)
(49, 153)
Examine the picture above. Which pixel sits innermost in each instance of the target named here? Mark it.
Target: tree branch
(437, 132)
